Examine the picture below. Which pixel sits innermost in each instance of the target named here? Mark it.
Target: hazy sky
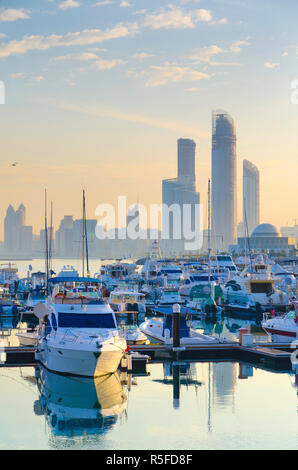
(98, 92)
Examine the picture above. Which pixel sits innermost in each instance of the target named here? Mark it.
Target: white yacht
(124, 301)
(169, 297)
(196, 279)
(160, 330)
(255, 286)
(282, 328)
(79, 335)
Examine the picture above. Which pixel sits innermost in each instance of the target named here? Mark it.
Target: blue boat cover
(184, 329)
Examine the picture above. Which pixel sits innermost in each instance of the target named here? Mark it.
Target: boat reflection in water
(78, 409)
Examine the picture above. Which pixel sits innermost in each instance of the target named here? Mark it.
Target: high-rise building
(180, 191)
(224, 180)
(251, 196)
(17, 235)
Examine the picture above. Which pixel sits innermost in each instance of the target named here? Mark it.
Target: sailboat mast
(209, 230)
(46, 244)
(84, 235)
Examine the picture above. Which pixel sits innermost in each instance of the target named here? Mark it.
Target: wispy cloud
(141, 56)
(271, 65)
(169, 73)
(69, 4)
(103, 3)
(84, 56)
(102, 112)
(125, 4)
(107, 64)
(80, 38)
(13, 15)
(176, 18)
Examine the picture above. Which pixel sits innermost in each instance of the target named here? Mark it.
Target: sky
(98, 92)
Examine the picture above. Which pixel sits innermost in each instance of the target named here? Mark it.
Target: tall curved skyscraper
(251, 195)
(224, 180)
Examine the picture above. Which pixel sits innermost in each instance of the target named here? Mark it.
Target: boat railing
(71, 336)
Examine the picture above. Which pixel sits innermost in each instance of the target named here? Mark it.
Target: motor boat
(126, 301)
(194, 280)
(134, 335)
(169, 297)
(282, 328)
(160, 330)
(202, 300)
(79, 334)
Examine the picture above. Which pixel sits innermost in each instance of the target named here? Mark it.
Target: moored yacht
(79, 335)
(282, 328)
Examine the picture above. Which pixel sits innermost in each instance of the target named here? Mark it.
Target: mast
(85, 239)
(209, 229)
(46, 244)
(51, 238)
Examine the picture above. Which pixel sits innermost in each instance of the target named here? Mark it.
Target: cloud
(235, 47)
(176, 18)
(40, 78)
(69, 4)
(169, 73)
(141, 56)
(81, 38)
(204, 54)
(102, 112)
(13, 15)
(107, 64)
(104, 2)
(125, 3)
(18, 75)
(271, 65)
(84, 56)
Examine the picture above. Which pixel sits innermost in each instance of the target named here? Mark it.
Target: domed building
(265, 230)
(265, 238)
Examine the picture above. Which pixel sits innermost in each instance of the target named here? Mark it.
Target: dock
(275, 356)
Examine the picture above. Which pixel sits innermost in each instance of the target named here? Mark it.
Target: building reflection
(78, 409)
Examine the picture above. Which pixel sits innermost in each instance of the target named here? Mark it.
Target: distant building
(17, 235)
(291, 232)
(265, 238)
(180, 191)
(224, 180)
(251, 196)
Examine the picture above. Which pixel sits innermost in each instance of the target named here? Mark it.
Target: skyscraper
(180, 191)
(251, 196)
(224, 180)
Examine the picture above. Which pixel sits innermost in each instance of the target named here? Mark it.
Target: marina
(149, 233)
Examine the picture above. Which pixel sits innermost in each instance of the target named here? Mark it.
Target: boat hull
(78, 362)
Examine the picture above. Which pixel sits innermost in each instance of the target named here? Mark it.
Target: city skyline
(75, 80)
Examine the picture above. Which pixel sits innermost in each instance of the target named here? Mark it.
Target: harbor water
(221, 406)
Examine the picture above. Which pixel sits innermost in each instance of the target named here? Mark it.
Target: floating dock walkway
(272, 355)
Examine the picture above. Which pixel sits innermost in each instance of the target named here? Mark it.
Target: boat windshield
(83, 320)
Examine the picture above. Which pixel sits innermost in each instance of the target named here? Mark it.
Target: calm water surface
(217, 406)
(217, 409)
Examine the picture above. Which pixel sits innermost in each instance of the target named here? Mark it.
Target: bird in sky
(14, 163)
